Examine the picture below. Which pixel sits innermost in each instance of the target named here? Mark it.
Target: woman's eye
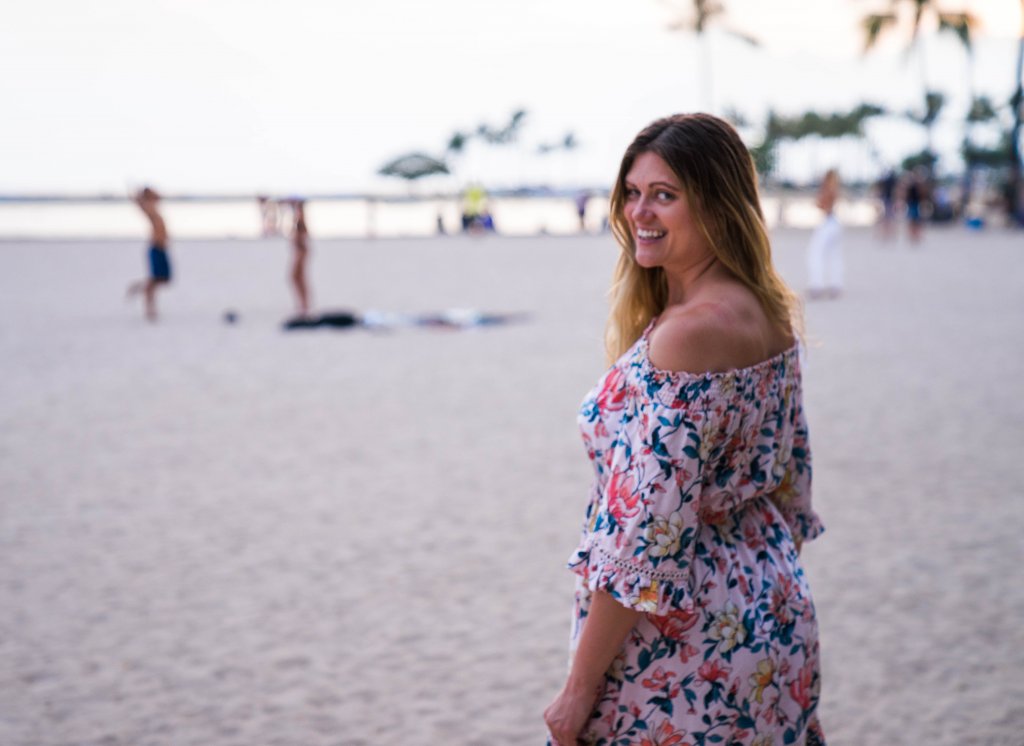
(665, 196)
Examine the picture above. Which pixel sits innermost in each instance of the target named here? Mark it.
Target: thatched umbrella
(414, 166)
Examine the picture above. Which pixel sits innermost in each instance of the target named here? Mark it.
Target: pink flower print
(712, 671)
(666, 735)
(784, 667)
(782, 598)
(612, 396)
(683, 477)
(659, 680)
(713, 517)
(745, 587)
(752, 536)
(687, 651)
(675, 624)
(800, 687)
(623, 500)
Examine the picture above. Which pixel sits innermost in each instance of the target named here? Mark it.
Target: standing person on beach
(886, 188)
(269, 216)
(693, 618)
(300, 256)
(913, 197)
(582, 198)
(824, 252)
(159, 262)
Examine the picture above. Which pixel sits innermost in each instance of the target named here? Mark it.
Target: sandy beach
(229, 535)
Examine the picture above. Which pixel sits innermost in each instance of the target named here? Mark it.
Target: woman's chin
(646, 259)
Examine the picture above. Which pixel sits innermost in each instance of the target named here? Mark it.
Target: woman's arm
(604, 632)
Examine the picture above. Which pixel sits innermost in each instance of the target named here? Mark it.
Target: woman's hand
(608, 624)
(566, 716)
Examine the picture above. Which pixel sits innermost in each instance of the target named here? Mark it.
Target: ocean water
(355, 218)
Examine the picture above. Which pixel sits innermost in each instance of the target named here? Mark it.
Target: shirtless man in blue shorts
(159, 262)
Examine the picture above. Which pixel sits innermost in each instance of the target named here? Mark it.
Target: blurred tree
(503, 135)
(984, 113)
(925, 158)
(927, 117)
(834, 126)
(567, 143)
(695, 16)
(982, 110)
(1017, 167)
(961, 24)
(417, 165)
(457, 142)
(996, 157)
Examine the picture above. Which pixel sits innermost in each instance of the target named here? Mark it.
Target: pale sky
(310, 96)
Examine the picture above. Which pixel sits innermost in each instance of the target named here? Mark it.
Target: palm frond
(961, 24)
(874, 25)
(743, 36)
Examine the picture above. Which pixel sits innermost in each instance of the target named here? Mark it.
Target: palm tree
(961, 24)
(696, 20)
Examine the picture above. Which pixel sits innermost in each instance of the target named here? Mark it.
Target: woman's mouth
(645, 234)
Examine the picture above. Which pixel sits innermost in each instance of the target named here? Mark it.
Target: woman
(693, 620)
(300, 256)
(824, 252)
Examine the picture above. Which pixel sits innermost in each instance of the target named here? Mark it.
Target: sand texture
(228, 535)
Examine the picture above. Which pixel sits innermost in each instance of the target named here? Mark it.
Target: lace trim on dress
(630, 566)
(642, 588)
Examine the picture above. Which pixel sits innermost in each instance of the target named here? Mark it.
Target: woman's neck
(684, 284)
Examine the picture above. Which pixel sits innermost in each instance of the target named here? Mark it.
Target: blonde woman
(693, 619)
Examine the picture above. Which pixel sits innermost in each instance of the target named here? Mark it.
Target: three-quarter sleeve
(642, 534)
(676, 452)
(793, 495)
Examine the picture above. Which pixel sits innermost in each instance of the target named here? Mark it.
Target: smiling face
(664, 228)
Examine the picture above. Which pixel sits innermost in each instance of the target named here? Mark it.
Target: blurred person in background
(825, 252)
(300, 256)
(915, 190)
(159, 261)
(476, 214)
(582, 198)
(269, 217)
(886, 189)
(693, 621)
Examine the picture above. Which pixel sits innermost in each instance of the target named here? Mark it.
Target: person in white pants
(824, 253)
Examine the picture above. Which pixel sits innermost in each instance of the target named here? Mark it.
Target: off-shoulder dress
(701, 497)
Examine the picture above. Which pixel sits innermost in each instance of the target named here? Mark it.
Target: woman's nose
(641, 208)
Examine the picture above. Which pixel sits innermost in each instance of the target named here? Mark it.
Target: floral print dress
(701, 499)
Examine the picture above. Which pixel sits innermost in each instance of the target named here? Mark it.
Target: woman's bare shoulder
(711, 337)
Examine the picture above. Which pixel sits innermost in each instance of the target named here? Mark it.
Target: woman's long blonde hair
(720, 182)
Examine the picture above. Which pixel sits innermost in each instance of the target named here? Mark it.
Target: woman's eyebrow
(667, 184)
